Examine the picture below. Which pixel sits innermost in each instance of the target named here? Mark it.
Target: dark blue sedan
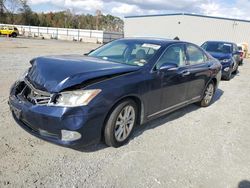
(77, 100)
(227, 53)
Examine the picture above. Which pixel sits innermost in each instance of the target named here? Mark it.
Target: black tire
(205, 102)
(14, 35)
(241, 62)
(236, 70)
(111, 127)
(228, 76)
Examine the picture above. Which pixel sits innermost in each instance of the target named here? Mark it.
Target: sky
(222, 8)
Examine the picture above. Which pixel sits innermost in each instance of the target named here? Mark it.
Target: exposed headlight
(225, 60)
(23, 75)
(76, 98)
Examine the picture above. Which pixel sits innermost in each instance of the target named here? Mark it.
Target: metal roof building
(189, 27)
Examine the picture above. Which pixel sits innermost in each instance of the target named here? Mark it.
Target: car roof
(160, 41)
(220, 42)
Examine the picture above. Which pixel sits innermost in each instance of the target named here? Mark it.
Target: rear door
(199, 71)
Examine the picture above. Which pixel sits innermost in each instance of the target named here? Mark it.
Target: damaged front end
(54, 100)
(62, 118)
(68, 98)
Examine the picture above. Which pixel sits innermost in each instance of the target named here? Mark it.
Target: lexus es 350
(76, 100)
(228, 55)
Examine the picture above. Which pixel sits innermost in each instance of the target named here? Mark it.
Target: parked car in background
(11, 31)
(228, 55)
(244, 46)
(240, 49)
(76, 100)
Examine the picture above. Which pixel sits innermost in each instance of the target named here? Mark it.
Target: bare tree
(3, 10)
(2, 7)
(12, 7)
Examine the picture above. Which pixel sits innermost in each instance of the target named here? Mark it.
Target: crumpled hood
(55, 73)
(220, 56)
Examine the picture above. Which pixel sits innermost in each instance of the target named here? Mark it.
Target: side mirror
(237, 52)
(168, 67)
(88, 52)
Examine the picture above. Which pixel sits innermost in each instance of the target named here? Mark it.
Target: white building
(188, 27)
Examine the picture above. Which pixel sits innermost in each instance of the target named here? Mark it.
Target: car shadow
(218, 94)
(235, 74)
(172, 116)
(244, 184)
(139, 130)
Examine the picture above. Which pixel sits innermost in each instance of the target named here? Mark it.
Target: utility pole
(98, 14)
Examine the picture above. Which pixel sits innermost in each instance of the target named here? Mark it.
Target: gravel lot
(193, 147)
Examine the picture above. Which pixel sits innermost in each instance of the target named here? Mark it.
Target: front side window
(131, 52)
(173, 55)
(195, 55)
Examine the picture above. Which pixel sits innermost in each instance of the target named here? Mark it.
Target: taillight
(241, 54)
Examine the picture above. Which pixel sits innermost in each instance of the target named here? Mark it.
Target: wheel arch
(139, 104)
(214, 80)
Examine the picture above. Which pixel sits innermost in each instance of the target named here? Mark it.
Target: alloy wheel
(209, 93)
(124, 123)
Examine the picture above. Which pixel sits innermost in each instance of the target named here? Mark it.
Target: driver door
(174, 82)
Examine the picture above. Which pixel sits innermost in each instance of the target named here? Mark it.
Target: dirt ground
(193, 147)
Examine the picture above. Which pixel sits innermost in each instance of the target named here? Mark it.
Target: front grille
(38, 98)
(33, 95)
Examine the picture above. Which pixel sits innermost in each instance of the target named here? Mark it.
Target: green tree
(25, 16)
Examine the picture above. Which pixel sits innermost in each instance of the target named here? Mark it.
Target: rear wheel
(14, 35)
(120, 123)
(208, 95)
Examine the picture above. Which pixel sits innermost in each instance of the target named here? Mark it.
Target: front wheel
(229, 75)
(120, 123)
(236, 69)
(208, 95)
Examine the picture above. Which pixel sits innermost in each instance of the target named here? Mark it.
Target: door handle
(185, 73)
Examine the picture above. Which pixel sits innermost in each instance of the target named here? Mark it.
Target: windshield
(219, 47)
(129, 52)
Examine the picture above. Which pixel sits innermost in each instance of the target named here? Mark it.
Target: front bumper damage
(72, 127)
